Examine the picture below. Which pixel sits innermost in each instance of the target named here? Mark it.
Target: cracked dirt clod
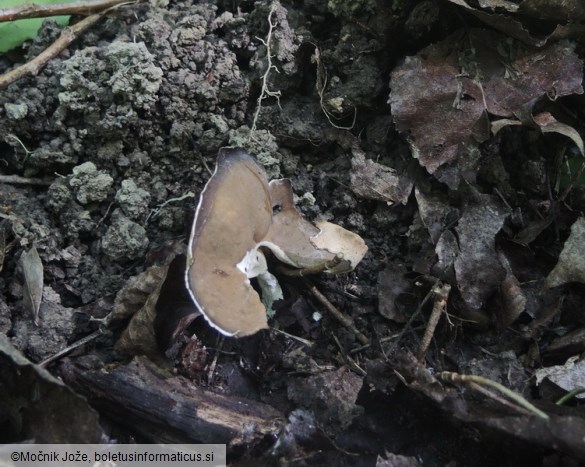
(133, 200)
(124, 240)
(89, 184)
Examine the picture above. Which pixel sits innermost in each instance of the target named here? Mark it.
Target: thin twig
(450, 377)
(72, 347)
(367, 346)
(338, 315)
(408, 325)
(441, 293)
(358, 369)
(29, 10)
(305, 342)
(18, 180)
(68, 35)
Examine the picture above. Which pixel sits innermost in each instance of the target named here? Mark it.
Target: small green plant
(14, 33)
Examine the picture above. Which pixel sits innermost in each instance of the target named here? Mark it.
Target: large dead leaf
(441, 108)
(440, 96)
(516, 76)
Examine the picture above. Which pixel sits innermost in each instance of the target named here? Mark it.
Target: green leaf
(14, 33)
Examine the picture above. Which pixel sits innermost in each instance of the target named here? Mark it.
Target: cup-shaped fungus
(233, 223)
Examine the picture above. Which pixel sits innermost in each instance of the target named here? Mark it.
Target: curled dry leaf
(137, 302)
(240, 214)
(571, 264)
(555, 371)
(32, 272)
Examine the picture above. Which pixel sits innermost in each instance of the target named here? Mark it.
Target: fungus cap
(233, 216)
(240, 213)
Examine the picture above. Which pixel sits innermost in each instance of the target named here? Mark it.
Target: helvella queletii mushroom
(240, 215)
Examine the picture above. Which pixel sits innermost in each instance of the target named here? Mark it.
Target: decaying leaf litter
(461, 167)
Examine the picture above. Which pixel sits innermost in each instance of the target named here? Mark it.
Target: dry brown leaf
(32, 272)
(440, 97)
(441, 108)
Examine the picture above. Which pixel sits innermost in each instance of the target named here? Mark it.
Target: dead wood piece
(562, 431)
(439, 306)
(172, 410)
(29, 10)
